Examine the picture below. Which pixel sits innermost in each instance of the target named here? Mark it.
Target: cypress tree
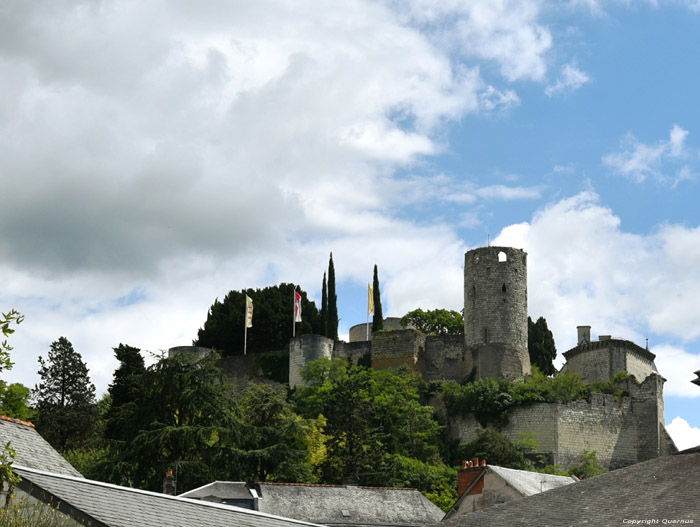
(378, 318)
(332, 321)
(324, 308)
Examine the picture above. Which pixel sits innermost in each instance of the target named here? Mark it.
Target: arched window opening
(502, 257)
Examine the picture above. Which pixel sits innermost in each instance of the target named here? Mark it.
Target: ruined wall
(391, 349)
(495, 312)
(564, 431)
(444, 359)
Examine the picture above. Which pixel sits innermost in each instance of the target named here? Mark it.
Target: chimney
(169, 483)
(584, 335)
(469, 473)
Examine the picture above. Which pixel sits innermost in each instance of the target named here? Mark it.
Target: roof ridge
(17, 421)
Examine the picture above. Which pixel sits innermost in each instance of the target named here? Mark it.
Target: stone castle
(494, 345)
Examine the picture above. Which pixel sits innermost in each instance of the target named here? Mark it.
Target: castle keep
(494, 345)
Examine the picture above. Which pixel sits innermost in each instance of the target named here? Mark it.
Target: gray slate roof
(105, 505)
(32, 450)
(528, 483)
(329, 504)
(332, 504)
(665, 488)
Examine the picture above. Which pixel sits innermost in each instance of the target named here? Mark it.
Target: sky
(156, 155)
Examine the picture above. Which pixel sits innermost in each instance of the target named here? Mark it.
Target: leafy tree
(272, 320)
(588, 468)
(14, 401)
(487, 399)
(370, 416)
(65, 399)
(540, 346)
(496, 448)
(332, 321)
(435, 322)
(378, 319)
(179, 417)
(273, 438)
(6, 320)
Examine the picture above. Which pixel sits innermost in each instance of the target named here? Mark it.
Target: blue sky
(155, 156)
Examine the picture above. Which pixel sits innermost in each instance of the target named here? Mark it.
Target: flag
(248, 312)
(370, 300)
(297, 306)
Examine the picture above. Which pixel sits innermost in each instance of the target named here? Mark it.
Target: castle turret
(495, 312)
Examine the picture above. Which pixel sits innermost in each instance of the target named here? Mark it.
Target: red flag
(297, 306)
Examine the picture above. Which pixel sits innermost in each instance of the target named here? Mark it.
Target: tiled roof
(32, 450)
(105, 505)
(661, 489)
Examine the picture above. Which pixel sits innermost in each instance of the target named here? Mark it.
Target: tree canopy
(540, 346)
(435, 322)
(272, 320)
(65, 398)
(332, 320)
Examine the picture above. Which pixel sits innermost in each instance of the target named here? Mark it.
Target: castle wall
(600, 360)
(495, 311)
(564, 431)
(303, 350)
(352, 350)
(444, 359)
(391, 349)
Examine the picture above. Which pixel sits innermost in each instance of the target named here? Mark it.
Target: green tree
(122, 391)
(494, 447)
(435, 322)
(65, 398)
(370, 416)
(273, 437)
(324, 307)
(378, 318)
(540, 346)
(181, 417)
(332, 321)
(272, 320)
(14, 401)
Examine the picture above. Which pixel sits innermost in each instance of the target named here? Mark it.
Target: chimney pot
(464, 463)
(483, 462)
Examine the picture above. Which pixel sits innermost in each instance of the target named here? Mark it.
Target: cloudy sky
(155, 155)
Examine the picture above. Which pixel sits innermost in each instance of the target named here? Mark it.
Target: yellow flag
(248, 312)
(370, 300)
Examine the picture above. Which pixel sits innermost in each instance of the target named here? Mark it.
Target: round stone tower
(495, 312)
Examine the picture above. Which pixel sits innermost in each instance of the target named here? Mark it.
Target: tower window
(502, 257)
(503, 288)
(486, 335)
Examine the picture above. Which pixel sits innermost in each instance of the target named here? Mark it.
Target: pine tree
(378, 319)
(65, 398)
(332, 322)
(122, 390)
(324, 308)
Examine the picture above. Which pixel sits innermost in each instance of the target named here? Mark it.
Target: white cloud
(570, 79)
(583, 269)
(638, 161)
(684, 435)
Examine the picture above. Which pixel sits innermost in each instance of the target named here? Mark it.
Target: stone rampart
(598, 361)
(564, 431)
(444, 359)
(391, 349)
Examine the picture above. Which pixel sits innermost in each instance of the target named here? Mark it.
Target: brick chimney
(169, 483)
(470, 472)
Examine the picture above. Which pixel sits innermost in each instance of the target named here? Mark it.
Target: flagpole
(368, 309)
(245, 330)
(294, 312)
